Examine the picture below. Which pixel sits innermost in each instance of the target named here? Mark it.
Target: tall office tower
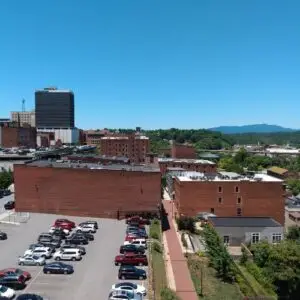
(54, 109)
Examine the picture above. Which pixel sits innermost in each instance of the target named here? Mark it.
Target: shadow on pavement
(164, 219)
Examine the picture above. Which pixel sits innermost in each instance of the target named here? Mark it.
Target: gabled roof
(243, 222)
(278, 170)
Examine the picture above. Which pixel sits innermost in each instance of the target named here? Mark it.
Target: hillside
(255, 128)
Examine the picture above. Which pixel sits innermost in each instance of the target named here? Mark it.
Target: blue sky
(155, 64)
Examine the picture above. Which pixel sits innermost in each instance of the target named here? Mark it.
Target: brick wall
(183, 151)
(199, 167)
(84, 192)
(265, 199)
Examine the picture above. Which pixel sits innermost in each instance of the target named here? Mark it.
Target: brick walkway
(183, 282)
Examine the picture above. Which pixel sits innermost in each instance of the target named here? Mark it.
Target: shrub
(154, 235)
(156, 222)
(186, 223)
(168, 294)
(201, 254)
(157, 247)
(244, 257)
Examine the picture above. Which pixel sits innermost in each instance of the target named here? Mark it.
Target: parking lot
(93, 276)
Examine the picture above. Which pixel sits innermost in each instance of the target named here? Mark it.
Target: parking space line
(33, 279)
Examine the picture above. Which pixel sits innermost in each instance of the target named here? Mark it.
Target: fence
(13, 217)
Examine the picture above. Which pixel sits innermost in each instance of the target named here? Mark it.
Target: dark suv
(132, 248)
(77, 240)
(131, 272)
(16, 282)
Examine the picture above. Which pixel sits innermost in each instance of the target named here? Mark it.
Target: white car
(52, 229)
(129, 286)
(6, 292)
(124, 295)
(39, 252)
(137, 242)
(68, 254)
(90, 228)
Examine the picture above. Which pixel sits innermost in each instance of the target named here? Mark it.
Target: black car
(3, 235)
(9, 205)
(29, 297)
(77, 240)
(49, 242)
(131, 272)
(6, 192)
(15, 282)
(95, 223)
(87, 235)
(132, 248)
(70, 246)
(59, 232)
(58, 268)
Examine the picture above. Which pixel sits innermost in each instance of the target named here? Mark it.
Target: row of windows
(236, 189)
(238, 211)
(255, 238)
(238, 200)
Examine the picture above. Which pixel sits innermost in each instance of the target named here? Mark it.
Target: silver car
(31, 260)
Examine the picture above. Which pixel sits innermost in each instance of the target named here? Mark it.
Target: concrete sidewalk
(183, 282)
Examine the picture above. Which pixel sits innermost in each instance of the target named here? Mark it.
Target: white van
(137, 242)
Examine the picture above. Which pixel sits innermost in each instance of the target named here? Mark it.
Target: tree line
(6, 179)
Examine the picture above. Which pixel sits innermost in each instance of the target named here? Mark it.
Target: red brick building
(198, 165)
(17, 137)
(93, 137)
(260, 196)
(183, 151)
(86, 190)
(134, 146)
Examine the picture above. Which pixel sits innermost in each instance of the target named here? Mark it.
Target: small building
(237, 230)
(180, 151)
(278, 172)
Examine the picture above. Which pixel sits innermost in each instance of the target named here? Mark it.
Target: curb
(11, 223)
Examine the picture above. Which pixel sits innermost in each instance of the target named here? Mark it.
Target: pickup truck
(132, 259)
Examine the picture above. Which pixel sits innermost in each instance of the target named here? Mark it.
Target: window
(220, 189)
(220, 200)
(237, 189)
(239, 200)
(239, 212)
(255, 238)
(226, 239)
(212, 210)
(276, 237)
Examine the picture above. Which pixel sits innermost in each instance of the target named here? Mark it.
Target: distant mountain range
(255, 128)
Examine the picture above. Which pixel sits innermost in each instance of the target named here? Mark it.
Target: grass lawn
(213, 288)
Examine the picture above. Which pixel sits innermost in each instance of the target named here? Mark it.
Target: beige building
(24, 117)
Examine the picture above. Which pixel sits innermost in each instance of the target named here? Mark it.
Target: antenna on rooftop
(23, 105)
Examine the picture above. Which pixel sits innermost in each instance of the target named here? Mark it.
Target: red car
(64, 223)
(132, 259)
(132, 236)
(15, 271)
(138, 220)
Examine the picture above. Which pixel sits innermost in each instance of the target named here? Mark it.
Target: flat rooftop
(225, 176)
(185, 161)
(91, 166)
(137, 137)
(243, 222)
(93, 156)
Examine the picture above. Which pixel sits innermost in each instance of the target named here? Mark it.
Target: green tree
(294, 186)
(6, 179)
(293, 233)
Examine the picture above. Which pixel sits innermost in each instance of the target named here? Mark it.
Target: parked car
(16, 271)
(88, 236)
(15, 282)
(77, 240)
(39, 252)
(31, 260)
(38, 245)
(138, 233)
(131, 272)
(70, 246)
(9, 205)
(58, 268)
(6, 292)
(95, 223)
(49, 242)
(44, 236)
(90, 228)
(3, 235)
(132, 236)
(138, 219)
(131, 259)
(29, 297)
(53, 228)
(132, 248)
(130, 286)
(70, 254)
(137, 242)
(124, 295)
(59, 232)
(6, 192)
(64, 223)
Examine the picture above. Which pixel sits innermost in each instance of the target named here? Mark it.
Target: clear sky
(155, 63)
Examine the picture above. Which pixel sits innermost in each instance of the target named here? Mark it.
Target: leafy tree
(293, 233)
(294, 186)
(6, 179)
(186, 223)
